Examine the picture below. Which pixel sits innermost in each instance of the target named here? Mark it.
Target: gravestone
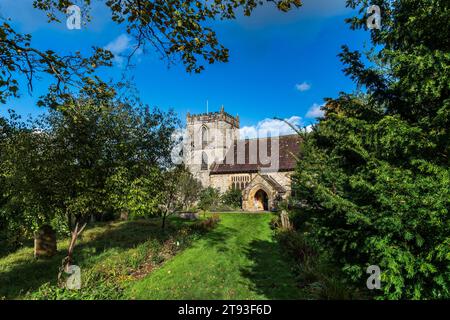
(285, 223)
(189, 215)
(44, 242)
(124, 215)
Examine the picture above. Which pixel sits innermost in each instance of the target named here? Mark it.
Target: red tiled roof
(289, 149)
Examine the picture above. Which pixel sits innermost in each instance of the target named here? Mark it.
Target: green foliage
(373, 182)
(232, 198)
(19, 58)
(177, 29)
(140, 197)
(316, 274)
(188, 187)
(239, 260)
(95, 156)
(209, 198)
(208, 224)
(110, 255)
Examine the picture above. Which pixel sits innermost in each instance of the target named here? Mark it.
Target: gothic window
(204, 137)
(204, 161)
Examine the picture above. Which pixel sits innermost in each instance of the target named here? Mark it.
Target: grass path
(237, 260)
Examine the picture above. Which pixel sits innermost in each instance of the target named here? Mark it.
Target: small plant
(316, 275)
(275, 222)
(297, 245)
(207, 224)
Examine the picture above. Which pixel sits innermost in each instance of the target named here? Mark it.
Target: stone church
(261, 168)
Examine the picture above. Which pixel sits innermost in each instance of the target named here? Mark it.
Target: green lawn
(136, 260)
(108, 254)
(237, 260)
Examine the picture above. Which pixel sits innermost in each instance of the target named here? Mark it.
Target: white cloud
(303, 86)
(121, 47)
(315, 111)
(270, 127)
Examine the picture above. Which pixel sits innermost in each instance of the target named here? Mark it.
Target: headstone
(124, 215)
(45, 242)
(189, 215)
(285, 223)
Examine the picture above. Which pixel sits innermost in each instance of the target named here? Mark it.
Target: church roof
(289, 149)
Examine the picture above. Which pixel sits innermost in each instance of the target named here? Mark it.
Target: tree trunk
(67, 261)
(164, 220)
(69, 221)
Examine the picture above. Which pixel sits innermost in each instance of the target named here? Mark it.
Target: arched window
(204, 161)
(204, 137)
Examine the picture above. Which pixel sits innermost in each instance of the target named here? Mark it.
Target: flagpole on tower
(207, 106)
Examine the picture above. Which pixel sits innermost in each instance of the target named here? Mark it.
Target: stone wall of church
(284, 179)
(220, 129)
(223, 182)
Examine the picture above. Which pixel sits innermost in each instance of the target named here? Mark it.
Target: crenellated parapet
(213, 117)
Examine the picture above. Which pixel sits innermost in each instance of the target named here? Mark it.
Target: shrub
(207, 224)
(209, 198)
(374, 172)
(275, 222)
(232, 198)
(316, 275)
(298, 246)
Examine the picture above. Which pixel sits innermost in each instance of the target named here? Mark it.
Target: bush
(232, 198)
(275, 222)
(376, 211)
(207, 224)
(209, 199)
(316, 275)
(298, 246)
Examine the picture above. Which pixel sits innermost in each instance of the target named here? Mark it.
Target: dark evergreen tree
(374, 179)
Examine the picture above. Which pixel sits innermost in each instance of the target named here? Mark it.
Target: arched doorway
(261, 200)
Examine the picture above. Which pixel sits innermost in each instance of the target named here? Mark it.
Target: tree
(232, 198)
(175, 29)
(19, 58)
(159, 191)
(373, 178)
(209, 198)
(189, 188)
(59, 167)
(141, 196)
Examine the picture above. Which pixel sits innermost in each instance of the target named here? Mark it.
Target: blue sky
(281, 64)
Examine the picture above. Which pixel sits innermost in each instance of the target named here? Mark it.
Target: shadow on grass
(28, 274)
(218, 237)
(270, 272)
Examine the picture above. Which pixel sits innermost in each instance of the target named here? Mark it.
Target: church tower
(209, 135)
